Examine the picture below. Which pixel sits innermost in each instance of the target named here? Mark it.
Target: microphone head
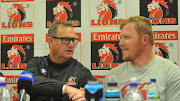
(25, 81)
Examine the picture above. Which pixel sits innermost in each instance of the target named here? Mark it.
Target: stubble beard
(134, 54)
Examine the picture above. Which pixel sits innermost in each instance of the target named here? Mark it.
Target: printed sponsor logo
(14, 55)
(107, 12)
(18, 15)
(16, 51)
(161, 50)
(104, 45)
(11, 79)
(99, 78)
(105, 53)
(63, 10)
(165, 35)
(160, 12)
(164, 44)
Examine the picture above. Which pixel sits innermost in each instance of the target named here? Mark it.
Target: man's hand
(74, 97)
(77, 96)
(71, 90)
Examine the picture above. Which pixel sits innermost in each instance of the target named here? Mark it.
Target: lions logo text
(17, 16)
(109, 57)
(62, 11)
(160, 11)
(107, 12)
(16, 56)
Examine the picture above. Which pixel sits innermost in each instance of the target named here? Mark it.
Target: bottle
(4, 93)
(2, 86)
(153, 91)
(93, 91)
(133, 93)
(112, 92)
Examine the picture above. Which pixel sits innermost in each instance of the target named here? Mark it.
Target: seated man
(136, 42)
(58, 75)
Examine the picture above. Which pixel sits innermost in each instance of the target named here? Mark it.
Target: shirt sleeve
(173, 83)
(43, 86)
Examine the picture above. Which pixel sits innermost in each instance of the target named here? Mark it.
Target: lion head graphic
(71, 81)
(14, 54)
(161, 50)
(16, 13)
(107, 9)
(155, 9)
(62, 11)
(106, 54)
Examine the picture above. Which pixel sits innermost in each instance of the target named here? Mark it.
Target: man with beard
(58, 75)
(136, 43)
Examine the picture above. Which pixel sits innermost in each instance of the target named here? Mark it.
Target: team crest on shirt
(71, 81)
(44, 71)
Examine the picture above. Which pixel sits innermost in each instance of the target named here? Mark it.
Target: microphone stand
(22, 95)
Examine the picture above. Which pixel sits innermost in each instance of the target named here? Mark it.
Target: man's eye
(66, 39)
(126, 37)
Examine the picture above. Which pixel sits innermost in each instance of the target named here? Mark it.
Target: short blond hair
(142, 26)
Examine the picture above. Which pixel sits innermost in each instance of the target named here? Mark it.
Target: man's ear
(146, 39)
(50, 41)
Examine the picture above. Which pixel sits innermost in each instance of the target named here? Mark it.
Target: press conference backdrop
(24, 25)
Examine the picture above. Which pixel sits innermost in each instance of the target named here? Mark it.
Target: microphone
(24, 85)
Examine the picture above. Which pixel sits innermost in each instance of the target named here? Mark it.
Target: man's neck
(58, 60)
(146, 58)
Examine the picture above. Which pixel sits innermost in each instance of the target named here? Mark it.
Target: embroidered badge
(43, 71)
(71, 81)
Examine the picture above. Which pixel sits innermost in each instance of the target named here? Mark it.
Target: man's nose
(121, 42)
(71, 43)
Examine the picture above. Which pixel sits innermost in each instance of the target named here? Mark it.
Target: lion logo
(140, 86)
(161, 50)
(71, 81)
(106, 54)
(14, 93)
(16, 13)
(62, 11)
(155, 9)
(107, 10)
(14, 54)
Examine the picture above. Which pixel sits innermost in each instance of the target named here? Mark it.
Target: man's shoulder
(38, 58)
(121, 65)
(165, 61)
(119, 68)
(77, 64)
